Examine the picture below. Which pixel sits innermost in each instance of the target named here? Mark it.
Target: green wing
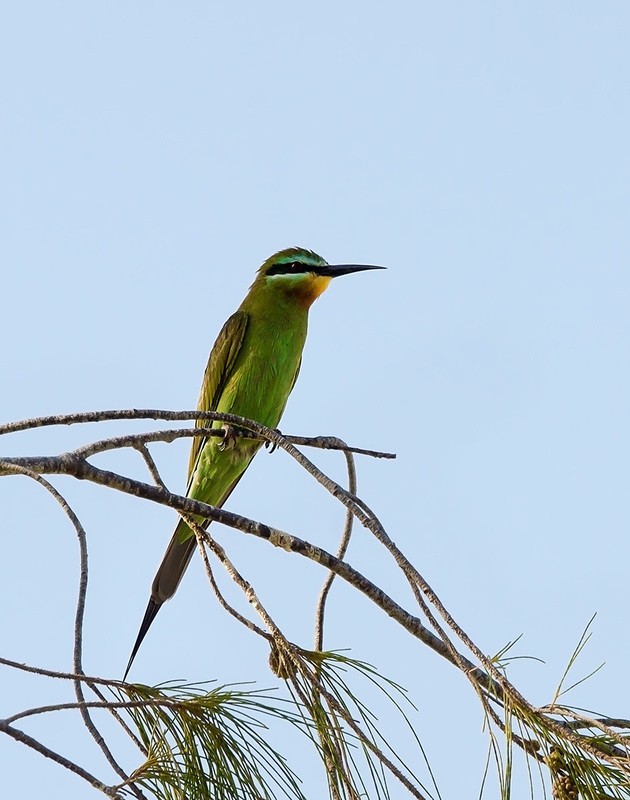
(218, 372)
(297, 372)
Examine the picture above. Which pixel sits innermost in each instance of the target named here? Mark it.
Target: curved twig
(341, 552)
(47, 752)
(489, 682)
(78, 621)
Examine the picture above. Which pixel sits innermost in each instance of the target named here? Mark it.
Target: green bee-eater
(251, 371)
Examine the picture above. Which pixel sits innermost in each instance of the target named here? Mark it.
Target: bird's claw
(271, 446)
(229, 437)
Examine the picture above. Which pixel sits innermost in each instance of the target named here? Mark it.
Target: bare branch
(69, 464)
(34, 744)
(247, 623)
(341, 552)
(79, 617)
(52, 673)
(322, 442)
(151, 465)
(487, 675)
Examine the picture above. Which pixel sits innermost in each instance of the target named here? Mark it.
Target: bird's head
(302, 273)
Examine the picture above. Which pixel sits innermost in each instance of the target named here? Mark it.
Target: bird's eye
(288, 268)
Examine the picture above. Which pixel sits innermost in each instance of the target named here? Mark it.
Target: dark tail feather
(149, 615)
(170, 572)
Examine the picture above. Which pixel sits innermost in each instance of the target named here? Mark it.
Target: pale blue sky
(154, 154)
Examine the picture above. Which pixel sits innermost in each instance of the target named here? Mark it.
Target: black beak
(334, 271)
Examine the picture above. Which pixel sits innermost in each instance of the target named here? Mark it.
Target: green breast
(258, 388)
(265, 369)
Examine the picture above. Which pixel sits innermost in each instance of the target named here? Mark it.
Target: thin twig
(322, 442)
(333, 443)
(151, 465)
(291, 652)
(84, 470)
(78, 622)
(106, 705)
(53, 673)
(34, 744)
(120, 720)
(75, 463)
(219, 595)
(341, 552)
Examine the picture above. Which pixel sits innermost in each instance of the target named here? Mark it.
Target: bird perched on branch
(251, 371)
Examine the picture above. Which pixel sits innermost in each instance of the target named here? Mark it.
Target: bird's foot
(271, 446)
(229, 437)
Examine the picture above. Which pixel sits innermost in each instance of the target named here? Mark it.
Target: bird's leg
(229, 437)
(272, 444)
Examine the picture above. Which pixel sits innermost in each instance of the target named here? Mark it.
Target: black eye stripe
(291, 268)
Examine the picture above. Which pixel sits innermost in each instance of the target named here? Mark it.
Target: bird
(251, 371)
